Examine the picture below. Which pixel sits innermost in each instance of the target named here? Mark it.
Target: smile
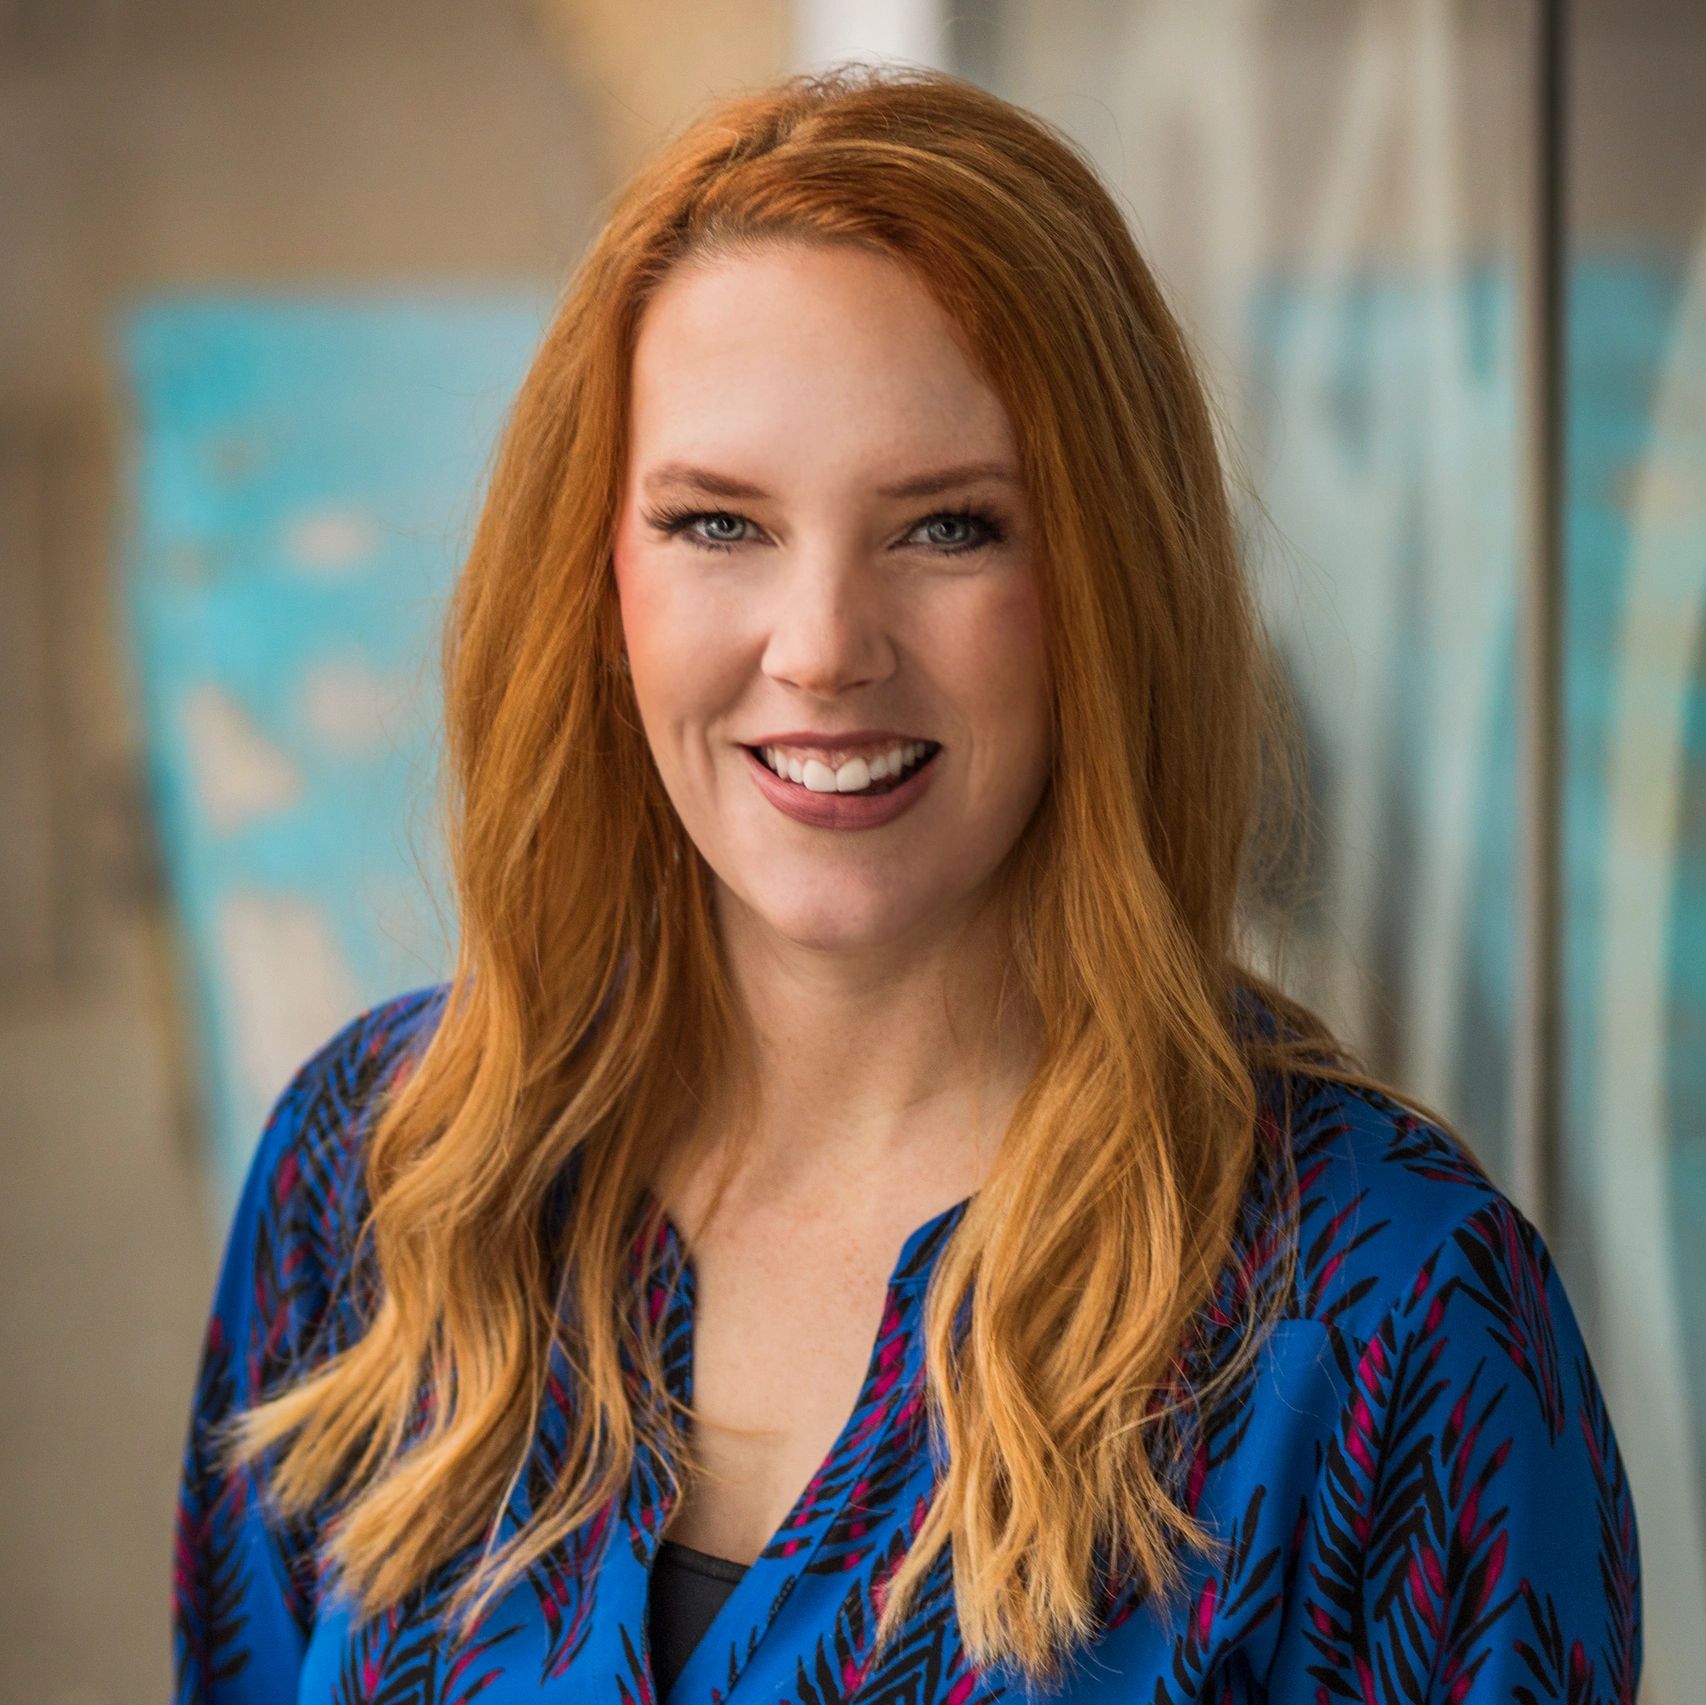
(873, 773)
(861, 793)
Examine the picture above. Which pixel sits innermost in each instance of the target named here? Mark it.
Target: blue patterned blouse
(1417, 1478)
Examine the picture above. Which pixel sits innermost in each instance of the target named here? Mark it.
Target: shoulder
(1381, 1200)
(312, 1136)
(293, 1235)
(1445, 1402)
(324, 1102)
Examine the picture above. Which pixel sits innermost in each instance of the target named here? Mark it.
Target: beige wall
(199, 144)
(642, 69)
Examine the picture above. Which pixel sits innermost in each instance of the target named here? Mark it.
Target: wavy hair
(588, 994)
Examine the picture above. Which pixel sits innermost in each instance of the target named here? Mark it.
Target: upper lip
(853, 737)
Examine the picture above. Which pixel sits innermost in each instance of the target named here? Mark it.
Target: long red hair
(1111, 1206)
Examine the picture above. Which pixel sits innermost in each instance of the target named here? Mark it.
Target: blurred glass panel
(1326, 191)
(305, 475)
(1633, 1210)
(1332, 194)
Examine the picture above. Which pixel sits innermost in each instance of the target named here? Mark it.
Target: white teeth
(852, 776)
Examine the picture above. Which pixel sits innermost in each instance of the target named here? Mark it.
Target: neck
(900, 1063)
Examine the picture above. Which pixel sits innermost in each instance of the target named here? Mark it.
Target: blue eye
(988, 532)
(672, 521)
(691, 523)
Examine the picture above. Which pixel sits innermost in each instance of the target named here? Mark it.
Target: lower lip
(840, 810)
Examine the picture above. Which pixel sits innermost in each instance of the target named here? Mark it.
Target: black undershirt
(688, 1589)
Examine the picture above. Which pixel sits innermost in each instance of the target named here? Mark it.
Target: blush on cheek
(643, 601)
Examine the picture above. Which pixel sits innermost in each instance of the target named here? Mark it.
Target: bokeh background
(268, 278)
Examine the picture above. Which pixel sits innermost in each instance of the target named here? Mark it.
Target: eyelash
(673, 521)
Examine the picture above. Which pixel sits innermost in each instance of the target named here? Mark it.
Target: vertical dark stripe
(1537, 1088)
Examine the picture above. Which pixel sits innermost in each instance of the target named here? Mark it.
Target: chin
(825, 927)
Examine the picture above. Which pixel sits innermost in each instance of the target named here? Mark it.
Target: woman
(852, 1226)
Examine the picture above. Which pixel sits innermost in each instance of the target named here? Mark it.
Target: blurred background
(268, 278)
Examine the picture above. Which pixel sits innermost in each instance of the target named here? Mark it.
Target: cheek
(639, 595)
(661, 630)
(1005, 667)
(683, 657)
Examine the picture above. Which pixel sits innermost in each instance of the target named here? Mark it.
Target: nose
(828, 624)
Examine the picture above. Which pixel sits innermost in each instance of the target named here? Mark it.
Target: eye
(672, 521)
(985, 530)
(718, 529)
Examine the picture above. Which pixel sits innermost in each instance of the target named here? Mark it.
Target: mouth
(812, 777)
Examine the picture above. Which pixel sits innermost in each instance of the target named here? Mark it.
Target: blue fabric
(1417, 1480)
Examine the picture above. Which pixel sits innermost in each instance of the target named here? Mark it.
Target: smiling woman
(827, 390)
(854, 1225)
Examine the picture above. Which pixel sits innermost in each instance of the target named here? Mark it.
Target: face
(824, 550)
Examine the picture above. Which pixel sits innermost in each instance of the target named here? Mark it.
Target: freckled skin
(820, 375)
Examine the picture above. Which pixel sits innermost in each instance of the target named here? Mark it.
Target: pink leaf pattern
(1414, 1483)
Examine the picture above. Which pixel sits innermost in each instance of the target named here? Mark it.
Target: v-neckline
(889, 1393)
(912, 1266)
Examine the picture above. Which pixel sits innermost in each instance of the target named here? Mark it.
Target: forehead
(807, 352)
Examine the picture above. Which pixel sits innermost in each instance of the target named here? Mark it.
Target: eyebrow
(714, 484)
